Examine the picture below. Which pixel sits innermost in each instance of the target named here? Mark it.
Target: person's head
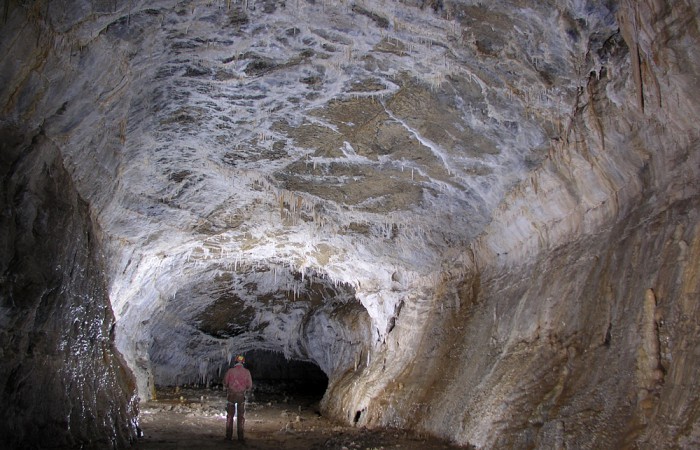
(240, 359)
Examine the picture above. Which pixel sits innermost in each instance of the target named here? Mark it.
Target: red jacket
(238, 379)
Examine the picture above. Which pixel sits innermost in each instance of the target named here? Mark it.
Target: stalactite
(595, 119)
(628, 17)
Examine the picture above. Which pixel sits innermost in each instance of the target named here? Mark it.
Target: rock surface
(479, 219)
(64, 383)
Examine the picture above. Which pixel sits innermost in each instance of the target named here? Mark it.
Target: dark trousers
(235, 398)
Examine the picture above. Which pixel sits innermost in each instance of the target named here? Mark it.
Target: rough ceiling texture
(509, 188)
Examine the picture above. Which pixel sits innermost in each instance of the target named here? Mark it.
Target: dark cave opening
(276, 376)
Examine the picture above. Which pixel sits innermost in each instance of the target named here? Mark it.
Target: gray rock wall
(63, 382)
(589, 346)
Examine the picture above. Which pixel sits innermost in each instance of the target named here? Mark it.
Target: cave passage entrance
(276, 378)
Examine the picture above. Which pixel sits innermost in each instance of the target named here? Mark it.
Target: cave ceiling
(261, 160)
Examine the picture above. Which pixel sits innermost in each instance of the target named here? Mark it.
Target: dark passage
(274, 375)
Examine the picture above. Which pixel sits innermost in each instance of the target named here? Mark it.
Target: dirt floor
(189, 418)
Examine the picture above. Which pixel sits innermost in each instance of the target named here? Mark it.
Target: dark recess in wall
(271, 371)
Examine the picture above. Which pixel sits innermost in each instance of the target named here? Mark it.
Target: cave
(476, 221)
(283, 377)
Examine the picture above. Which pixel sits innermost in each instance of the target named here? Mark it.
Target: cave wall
(588, 346)
(571, 321)
(69, 82)
(63, 382)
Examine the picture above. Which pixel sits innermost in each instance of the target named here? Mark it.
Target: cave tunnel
(477, 222)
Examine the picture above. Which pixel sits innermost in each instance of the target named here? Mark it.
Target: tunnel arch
(191, 336)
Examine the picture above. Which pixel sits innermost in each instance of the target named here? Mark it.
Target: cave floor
(195, 418)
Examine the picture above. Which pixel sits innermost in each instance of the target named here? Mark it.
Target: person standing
(237, 382)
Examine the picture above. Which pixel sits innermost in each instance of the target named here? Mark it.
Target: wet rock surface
(64, 384)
